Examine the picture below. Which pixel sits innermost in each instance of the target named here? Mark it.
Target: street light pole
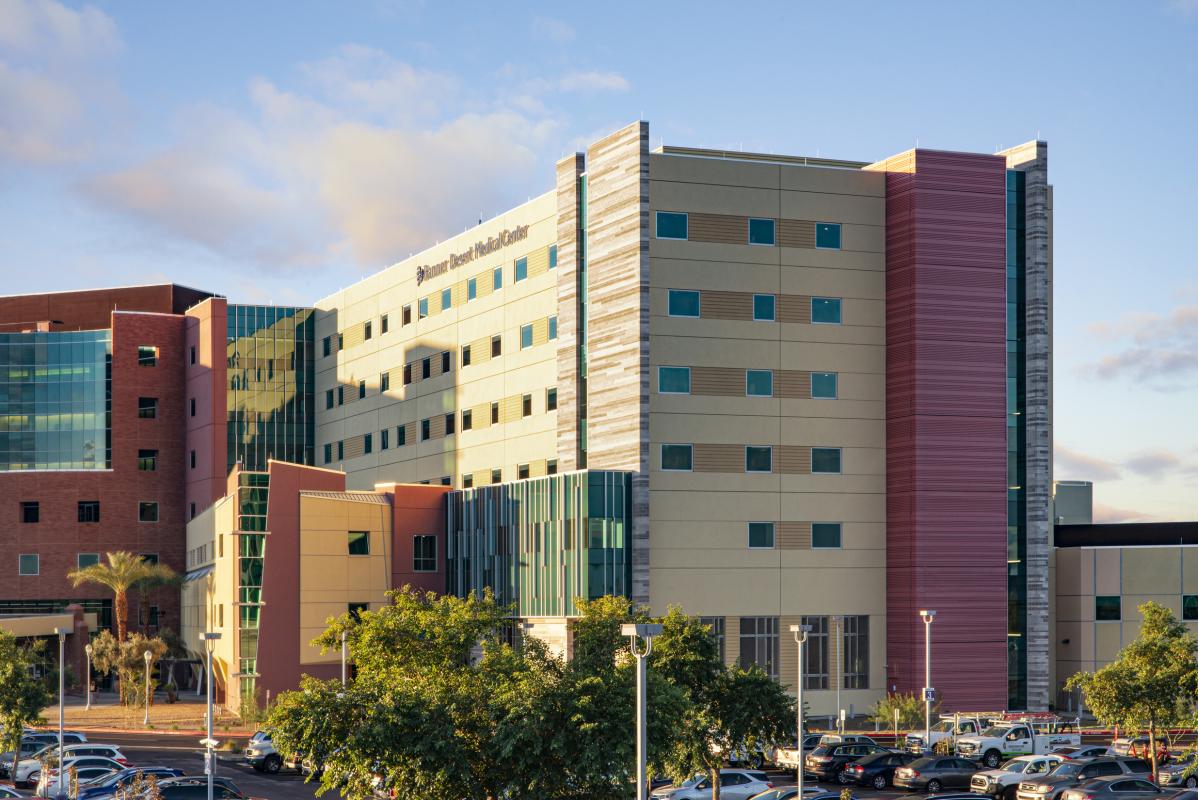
(62, 685)
(646, 632)
(344, 649)
(928, 617)
(148, 656)
(800, 633)
(209, 638)
(88, 650)
(837, 621)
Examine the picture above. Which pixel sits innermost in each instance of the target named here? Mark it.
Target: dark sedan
(1122, 787)
(935, 773)
(108, 787)
(876, 770)
(827, 760)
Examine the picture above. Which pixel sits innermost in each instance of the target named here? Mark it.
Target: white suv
(735, 784)
(25, 770)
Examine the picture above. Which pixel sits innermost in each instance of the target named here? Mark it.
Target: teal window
(1108, 608)
(359, 543)
(361, 389)
(28, 564)
(340, 449)
(471, 289)
(677, 457)
(552, 256)
(553, 327)
(827, 235)
(525, 336)
(674, 380)
(761, 535)
(671, 225)
(384, 381)
(823, 385)
(761, 231)
(497, 278)
(367, 444)
(84, 560)
(422, 308)
(825, 535)
(825, 310)
(759, 459)
(328, 453)
(384, 438)
(521, 270)
(401, 435)
(764, 308)
(759, 383)
(551, 399)
(446, 299)
(326, 345)
(684, 303)
(328, 398)
(825, 460)
(1189, 606)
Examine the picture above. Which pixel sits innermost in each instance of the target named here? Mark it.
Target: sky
(277, 151)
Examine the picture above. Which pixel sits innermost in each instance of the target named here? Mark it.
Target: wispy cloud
(1185, 7)
(1105, 514)
(555, 30)
(593, 82)
(1161, 351)
(1154, 464)
(1074, 465)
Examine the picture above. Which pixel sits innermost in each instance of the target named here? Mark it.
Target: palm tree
(121, 573)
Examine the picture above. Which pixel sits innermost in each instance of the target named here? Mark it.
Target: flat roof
(770, 158)
(1126, 534)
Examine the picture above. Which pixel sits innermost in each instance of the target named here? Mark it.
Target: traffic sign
(929, 695)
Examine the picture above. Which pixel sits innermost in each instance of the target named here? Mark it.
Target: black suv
(1071, 773)
(826, 761)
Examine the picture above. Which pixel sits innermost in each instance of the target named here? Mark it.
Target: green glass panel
(825, 310)
(825, 534)
(671, 225)
(827, 235)
(759, 383)
(824, 385)
(683, 303)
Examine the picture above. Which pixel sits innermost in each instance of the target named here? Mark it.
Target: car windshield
(943, 727)
(1067, 769)
(822, 750)
(995, 732)
(1014, 765)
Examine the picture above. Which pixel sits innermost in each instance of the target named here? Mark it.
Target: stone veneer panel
(568, 406)
(618, 320)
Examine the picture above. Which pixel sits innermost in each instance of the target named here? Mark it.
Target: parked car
(1137, 747)
(790, 756)
(49, 784)
(1121, 787)
(876, 770)
(8, 793)
(27, 770)
(261, 754)
(1022, 738)
(934, 773)
(1072, 773)
(847, 738)
(941, 796)
(195, 787)
(1076, 752)
(31, 742)
(735, 784)
(1003, 783)
(1179, 772)
(948, 728)
(827, 760)
(108, 787)
(792, 792)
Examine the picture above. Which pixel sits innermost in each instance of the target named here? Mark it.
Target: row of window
(523, 472)
(761, 231)
(758, 382)
(758, 458)
(424, 549)
(689, 303)
(824, 535)
(1109, 608)
(30, 563)
(759, 644)
(88, 511)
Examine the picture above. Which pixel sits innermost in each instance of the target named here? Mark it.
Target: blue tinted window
(422, 308)
(676, 457)
(684, 303)
(525, 336)
(446, 299)
(759, 383)
(827, 235)
(763, 307)
(552, 256)
(825, 310)
(553, 327)
(1108, 608)
(761, 535)
(497, 278)
(759, 459)
(671, 225)
(823, 385)
(521, 269)
(471, 289)
(825, 534)
(761, 231)
(674, 380)
(825, 460)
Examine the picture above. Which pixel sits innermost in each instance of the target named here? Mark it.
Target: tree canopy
(22, 697)
(123, 571)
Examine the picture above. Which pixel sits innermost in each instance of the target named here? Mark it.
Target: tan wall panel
(540, 331)
(718, 381)
(354, 446)
(1107, 572)
(719, 458)
(1153, 570)
(718, 228)
(792, 460)
(794, 308)
(796, 233)
(436, 427)
(731, 640)
(538, 262)
(1108, 639)
(788, 650)
(726, 305)
(793, 535)
(793, 384)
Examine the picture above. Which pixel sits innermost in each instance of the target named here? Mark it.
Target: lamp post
(928, 617)
(209, 638)
(800, 633)
(88, 650)
(148, 656)
(62, 686)
(646, 632)
(838, 620)
(344, 653)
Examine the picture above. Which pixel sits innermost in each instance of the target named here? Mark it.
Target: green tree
(123, 571)
(909, 706)
(1152, 683)
(22, 697)
(127, 660)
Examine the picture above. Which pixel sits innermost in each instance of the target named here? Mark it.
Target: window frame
(773, 298)
(147, 355)
(88, 518)
(526, 329)
(526, 405)
(31, 505)
(418, 557)
(769, 450)
(467, 419)
(839, 236)
(422, 308)
(447, 298)
(761, 642)
(690, 450)
(497, 278)
(551, 399)
(465, 355)
(1098, 598)
(773, 242)
(839, 536)
(839, 310)
(748, 382)
(497, 345)
(425, 429)
(363, 536)
(773, 530)
(661, 367)
(37, 561)
(835, 386)
(686, 225)
(144, 505)
(551, 327)
(839, 461)
(152, 408)
(520, 265)
(698, 305)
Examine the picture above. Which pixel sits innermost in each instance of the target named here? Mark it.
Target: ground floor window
(759, 643)
(856, 652)
(815, 654)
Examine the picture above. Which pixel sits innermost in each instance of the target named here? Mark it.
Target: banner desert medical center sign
(480, 249)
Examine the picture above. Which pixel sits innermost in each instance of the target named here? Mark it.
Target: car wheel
(879, 781)
(993, 759)
(933, 786)
(843, 778)
(272, 764)
(1191, 782)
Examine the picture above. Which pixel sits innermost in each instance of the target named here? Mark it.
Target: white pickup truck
(949, 727)
(1006, 740)
(791, 757)
(1002, 783)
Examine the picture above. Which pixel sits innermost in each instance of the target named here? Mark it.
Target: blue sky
(276, 151)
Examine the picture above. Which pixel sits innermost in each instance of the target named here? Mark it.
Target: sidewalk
(187, 716)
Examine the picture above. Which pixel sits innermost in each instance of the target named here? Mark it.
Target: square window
(825, 460)
(526, 405)
(1189, 606)
(147, 356)
(340, 449)
(367, 330)
(825, 310)
(405, 315)
(147, 460)
(446, 299)
(407, 374)
(671, 225)
(444, 361)
(552, 256)
(367, 443)
(424, 430)
(467, 420)
(497, 278)
(361, 389)
(759, 459)
(85, 560)
(677, 457)
(401, 435)
(825, 535)
(521, 472)
(552, 327)
(328, 398)
(356, 609)
(147, 407)
(823, 385)
(471, 289)
(147, 511)
(422, 308)
(674, 380)
(384, 438)
(683, 303)
(495, 413)
(450, 421)
(31, 512)
(359, 543)
(496, 346)
(764, 308)
(384, 381)
(426, 368)
(1108, 608)
(326, 346)
(467, 481)
(525, 337)
(761, 535)
(89, 510)
(383, 324)
(551, 399)
(328, 453)
(465, 355)
(424, 553)
(496, 476)
(759, 383)
(521, 271)
(761, 231)
(827, 235)
(28, 564)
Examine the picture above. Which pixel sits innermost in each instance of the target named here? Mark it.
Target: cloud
(593, 82)
(1079, 466)
(1160, 351)
(1109, 514)
(1153, 464)
(41, 26)
(555, 30)
(1184, 7)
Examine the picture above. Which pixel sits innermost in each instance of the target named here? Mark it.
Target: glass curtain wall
(253, 489)
(1016, 443)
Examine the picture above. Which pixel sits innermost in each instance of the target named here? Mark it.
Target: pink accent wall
(416, 509)
(206, 380)
(946, 424)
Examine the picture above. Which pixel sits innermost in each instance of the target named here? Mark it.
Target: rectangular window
(192, 350)
(340, 342)
(422, 308)
(147, 460)
(522, 472)
(671, 225)
(326, 346)
(674, 380)
(85, 560)
(823, 385)
(450, 421)
(384, 381)
(759, 383)
(552, 327)
(407, 374)
(467, 420)
(426, 368)
(525, 336)
(356, 609)
(340, 395)
(361, 389)
(384, 324)
(497, 278)
(825, 460)
(551, 466)
(193, 510)
(825, 310)
(147, 511)
(467, 481)
(496, 476)
(856, 652)
(28, 564)
(825, 535)
(359, 543)
(526, 405)
(147, 407)
(367, 330)
(444, 361)
(759, 459)
(424, 430)
(367, 444)
(31, 512)
(340, 449)
(465, 355)
(827, 235)
(683, 303)
(193, 459)
(193, 406)
(424, 553)
(405, 315)
(384, 439)
(1108, 608)
(761, 231)
(495, 413)
(446, 299)
(551, 399)
(759, 643)
(401, 435)
(552, 256)
(328, 453)
(521, 271)
(496, 346)
(677, 457)
(815, 654)
(328, 398)
(1189, 606)
(761, 535)
(147, 355)
(764, 308)
(89, 510)
(716, 628)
